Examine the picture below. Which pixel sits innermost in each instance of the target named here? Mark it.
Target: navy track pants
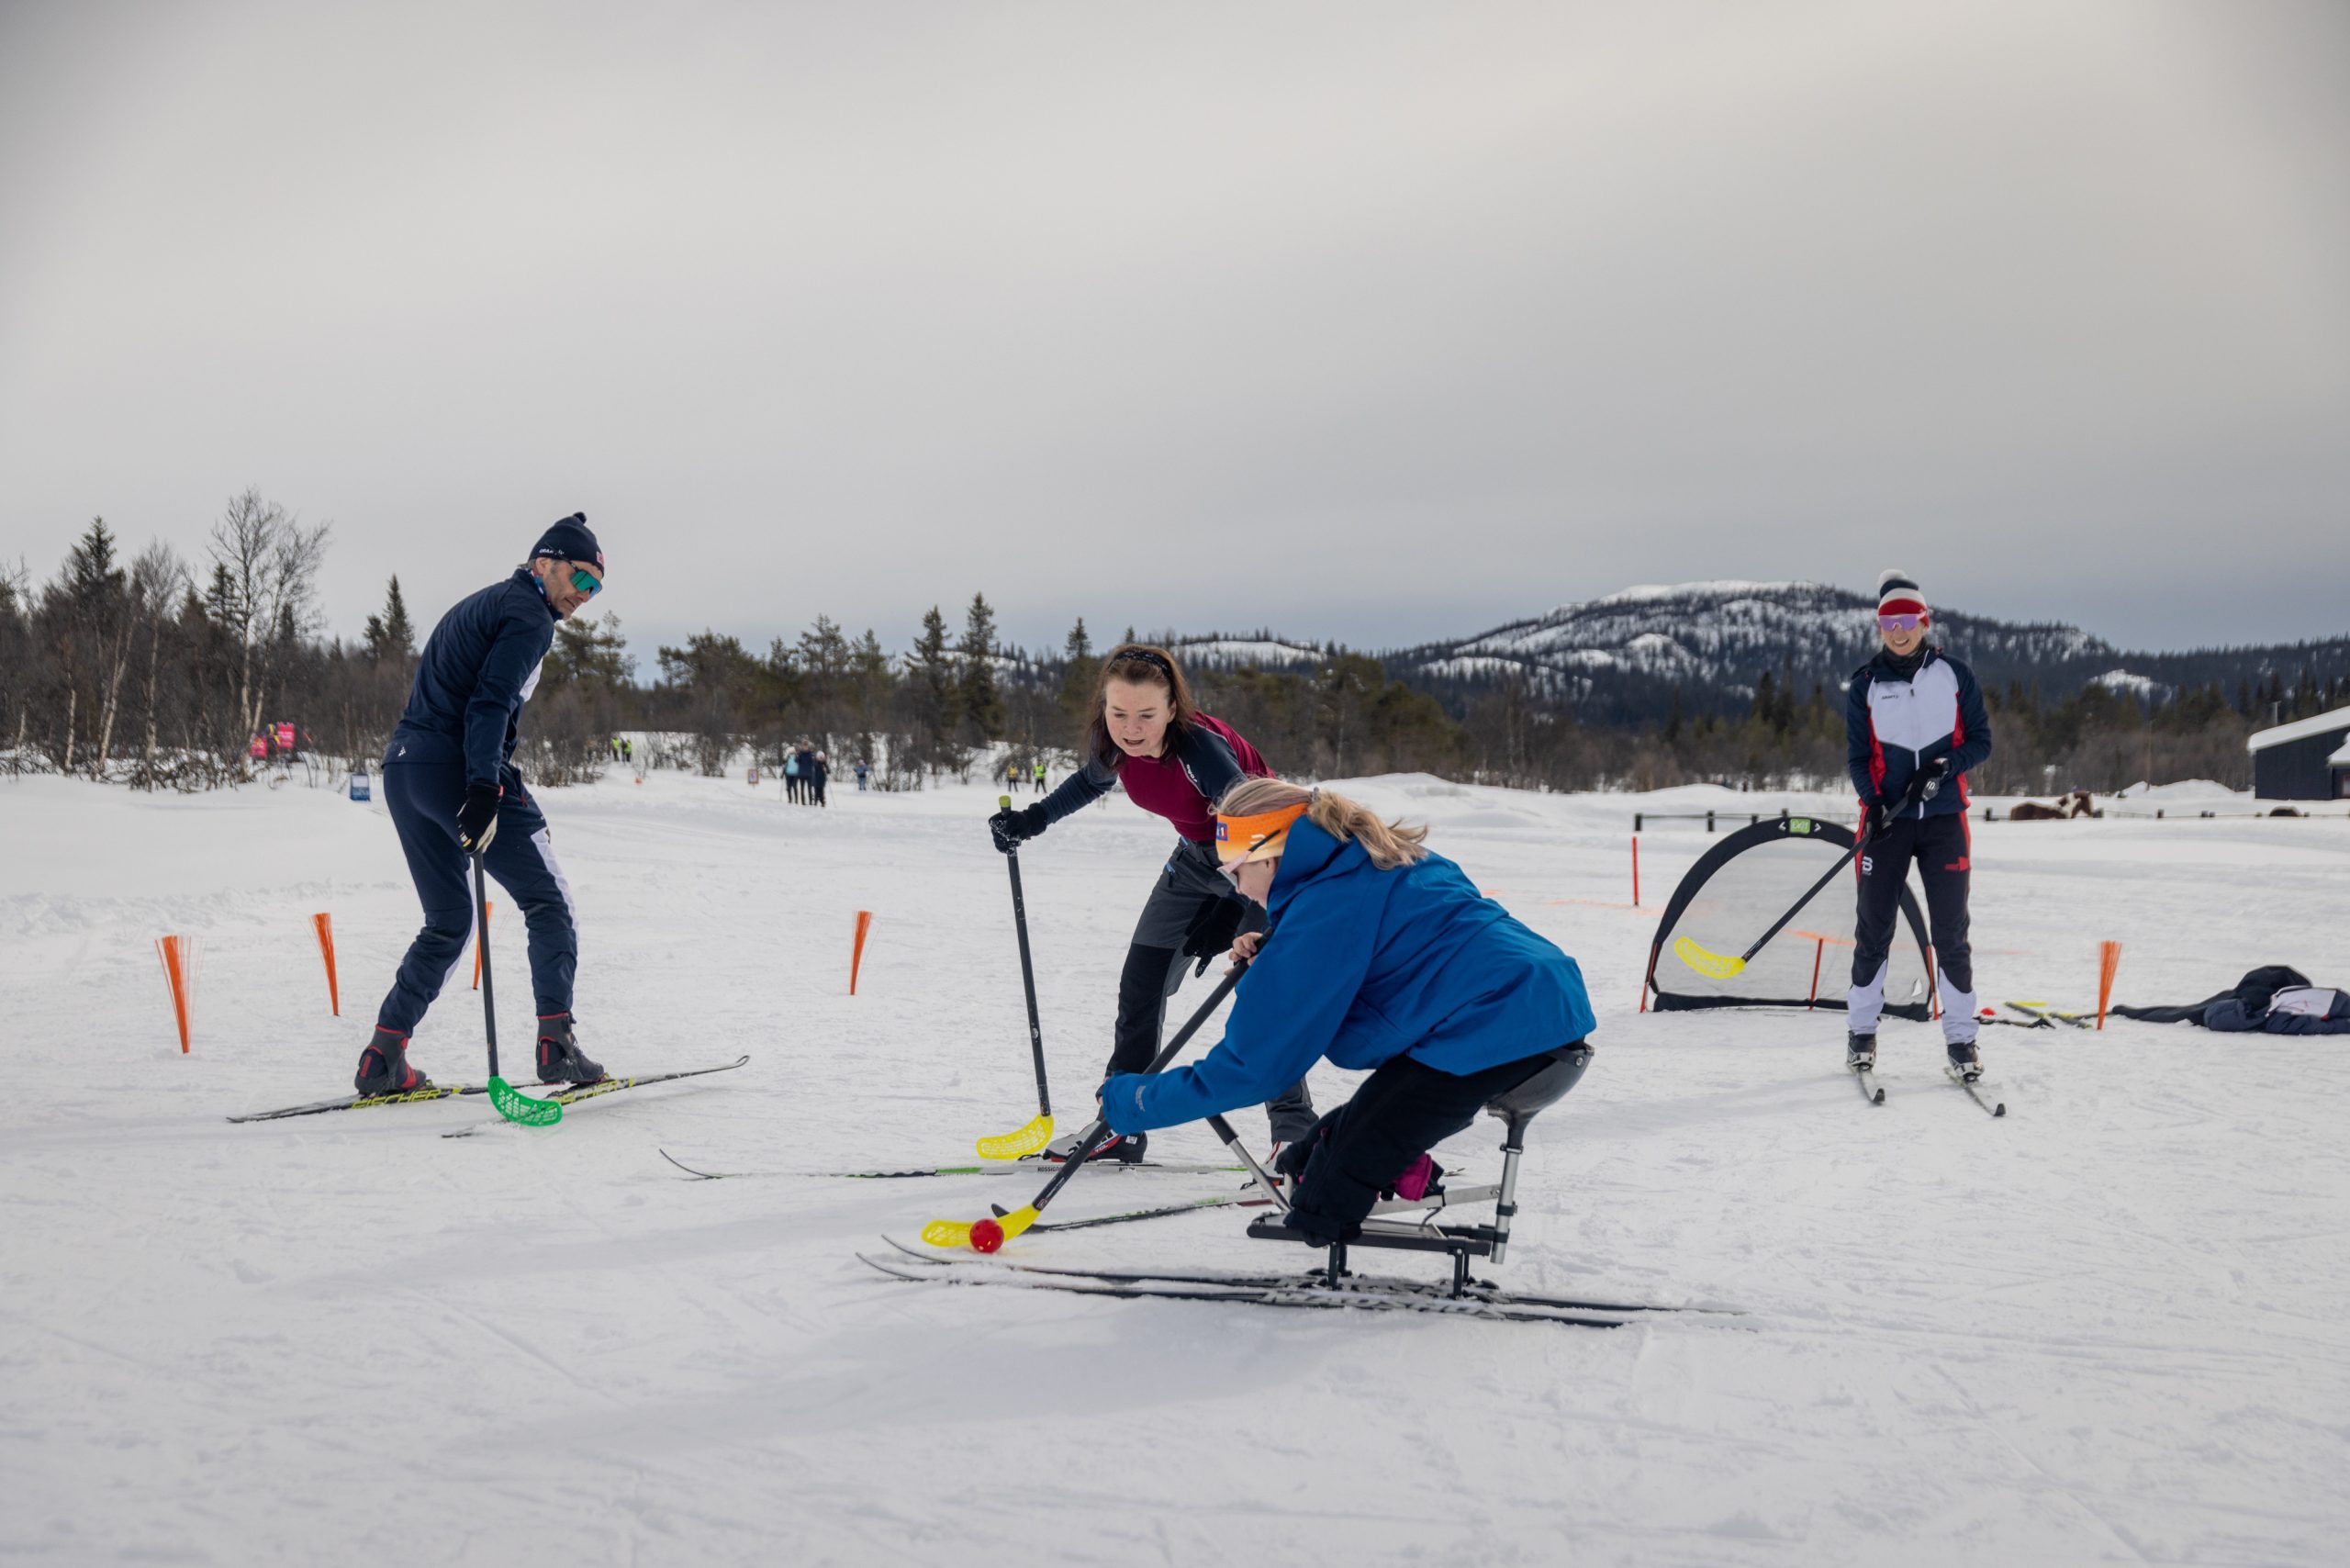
(423, 798)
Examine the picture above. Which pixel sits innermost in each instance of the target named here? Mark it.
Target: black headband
(1149, 657)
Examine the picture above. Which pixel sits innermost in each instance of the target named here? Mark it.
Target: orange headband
(1257, 837)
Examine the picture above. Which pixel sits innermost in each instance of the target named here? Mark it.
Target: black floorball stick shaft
(1860, 842)
(1094, 1133)
(481, 935)
(1027, 972)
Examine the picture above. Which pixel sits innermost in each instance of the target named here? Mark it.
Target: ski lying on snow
(993, 1168)
(1251, 1197)
(579, 1091)
(362, 1101)
(1290, 1293)
(1974, 1091)
(930, 1259)
(2047, 1015)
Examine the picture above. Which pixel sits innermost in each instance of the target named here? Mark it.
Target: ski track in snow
(2106, 1330)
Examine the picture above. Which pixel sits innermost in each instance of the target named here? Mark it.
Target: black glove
(1211, 930)
(477, 818)
(1010, 827)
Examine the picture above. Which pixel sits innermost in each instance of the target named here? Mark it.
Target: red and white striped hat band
(1897, 593)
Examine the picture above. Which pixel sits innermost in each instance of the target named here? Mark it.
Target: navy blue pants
(424, 797)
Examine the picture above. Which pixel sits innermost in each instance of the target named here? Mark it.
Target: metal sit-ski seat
(1515, 1110)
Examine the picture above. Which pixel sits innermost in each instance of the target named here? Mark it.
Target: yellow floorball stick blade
(1704, 962)
(956, 1233)
(1019, 1145)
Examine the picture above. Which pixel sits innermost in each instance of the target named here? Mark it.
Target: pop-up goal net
(1734, 893)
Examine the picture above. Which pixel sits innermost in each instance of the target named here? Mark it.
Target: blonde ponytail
(1389, 844)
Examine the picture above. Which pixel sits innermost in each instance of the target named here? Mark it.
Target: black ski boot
(1860, 1052)
(1964, 1063)
(384, 1069)
(1117, 1148)
(560, 1058)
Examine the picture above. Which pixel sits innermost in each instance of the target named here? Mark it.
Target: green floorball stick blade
(515, 1106)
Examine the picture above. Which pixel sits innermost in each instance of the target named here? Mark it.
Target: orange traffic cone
(2108, 959)
(323, 923)
(178, 954)
(856, 953)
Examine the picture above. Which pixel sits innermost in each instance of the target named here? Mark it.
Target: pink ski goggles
(1901, 623)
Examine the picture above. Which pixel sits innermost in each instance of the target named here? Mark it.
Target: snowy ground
(2107, 1328)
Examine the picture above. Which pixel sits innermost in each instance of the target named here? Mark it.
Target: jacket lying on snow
(2272, 999)
(1365, 965)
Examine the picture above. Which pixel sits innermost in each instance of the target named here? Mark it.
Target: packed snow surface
(2107, 1328)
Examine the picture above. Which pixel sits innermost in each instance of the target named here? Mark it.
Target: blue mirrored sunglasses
(585, 581)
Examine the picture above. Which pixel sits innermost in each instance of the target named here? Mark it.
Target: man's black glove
(1010, 827)
(477, 818)
(1211, 930)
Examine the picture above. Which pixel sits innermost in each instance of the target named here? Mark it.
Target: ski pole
(995, 1232)
(511, 1104)
(1039, 1133)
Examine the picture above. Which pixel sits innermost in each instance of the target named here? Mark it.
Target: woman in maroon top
(1148, 735)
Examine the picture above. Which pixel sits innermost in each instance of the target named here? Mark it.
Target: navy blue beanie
(570, 541)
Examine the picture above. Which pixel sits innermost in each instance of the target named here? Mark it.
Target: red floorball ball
(986, 1236)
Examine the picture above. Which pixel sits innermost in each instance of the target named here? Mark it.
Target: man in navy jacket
(1913, 715)
(449, 781)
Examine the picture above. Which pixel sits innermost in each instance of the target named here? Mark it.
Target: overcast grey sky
(1377, 322)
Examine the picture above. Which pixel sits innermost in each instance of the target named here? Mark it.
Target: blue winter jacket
(478, 665)
(1365, 965)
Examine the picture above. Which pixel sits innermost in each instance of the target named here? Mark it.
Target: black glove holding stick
(477, 818)
(1011, 829)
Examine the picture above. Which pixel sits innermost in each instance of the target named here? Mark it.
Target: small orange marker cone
(2109, 961)
(485, 907)
(856, 953)
(323, 923)
(176, 954)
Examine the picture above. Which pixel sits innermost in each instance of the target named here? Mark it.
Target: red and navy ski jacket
(1183, 786)
(1894, 724)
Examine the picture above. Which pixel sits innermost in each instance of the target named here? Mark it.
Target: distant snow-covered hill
(1625, 654)
(1634, 655)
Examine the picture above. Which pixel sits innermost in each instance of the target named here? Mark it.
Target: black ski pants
(1940, 847)
(1403, 1110)
(423, 798)
(1189, 889)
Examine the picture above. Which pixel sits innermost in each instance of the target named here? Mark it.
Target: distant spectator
(860, 775)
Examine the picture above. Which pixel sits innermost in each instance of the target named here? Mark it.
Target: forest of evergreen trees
(158, 672)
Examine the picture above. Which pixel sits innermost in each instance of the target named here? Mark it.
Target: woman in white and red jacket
(1914, 725)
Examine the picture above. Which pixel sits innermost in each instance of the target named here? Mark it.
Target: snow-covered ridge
(1714, 640)
(1244, 651)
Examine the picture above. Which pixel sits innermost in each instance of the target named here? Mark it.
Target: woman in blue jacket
(1383, 957)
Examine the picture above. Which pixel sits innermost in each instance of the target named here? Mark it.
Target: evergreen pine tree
(391, 635)
(978, 701)
(934, 686)
(1080, 671)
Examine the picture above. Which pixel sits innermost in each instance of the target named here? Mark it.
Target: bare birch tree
(266, 584)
